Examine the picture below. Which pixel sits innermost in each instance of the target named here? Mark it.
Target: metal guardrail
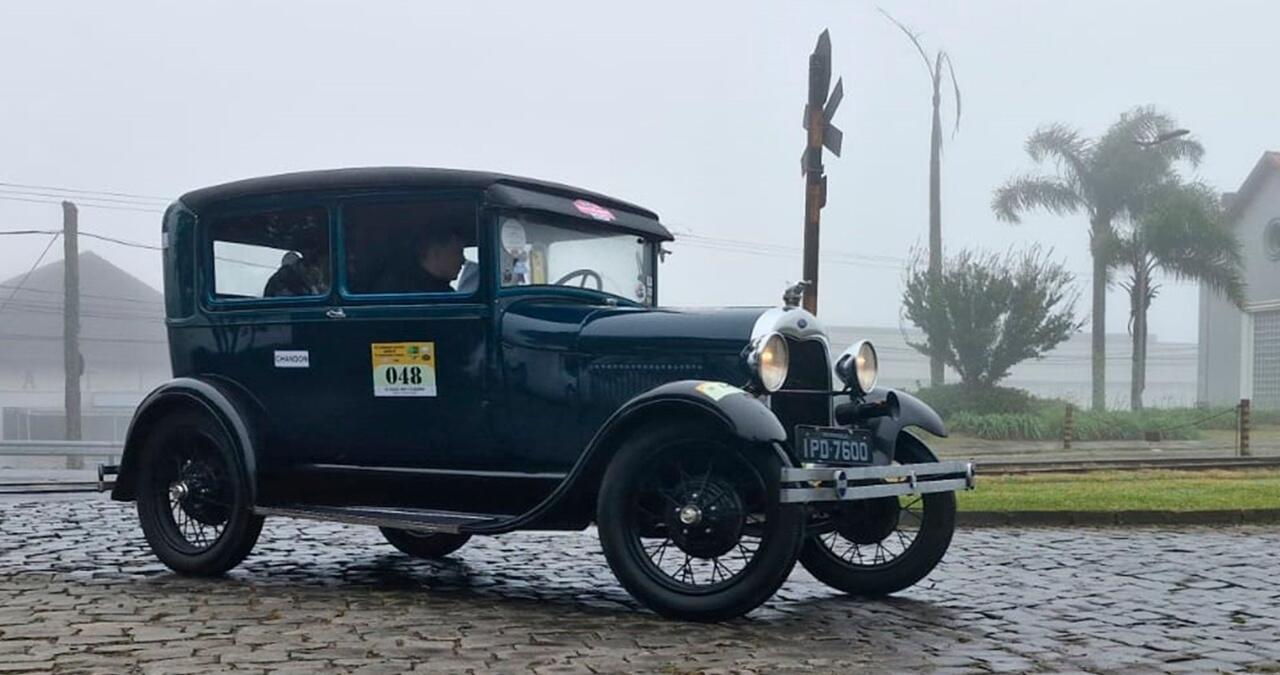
(60, 449)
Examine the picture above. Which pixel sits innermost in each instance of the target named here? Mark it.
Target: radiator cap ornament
(794, 294)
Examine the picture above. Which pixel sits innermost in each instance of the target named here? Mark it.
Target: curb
(1115, 518)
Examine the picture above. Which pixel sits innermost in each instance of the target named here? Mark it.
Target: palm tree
(1180, 232)
(1106, 180)
(934, 66)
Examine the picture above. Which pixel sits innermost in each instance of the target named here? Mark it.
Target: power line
(76, 198)
(122, 242)
(34, 200)
(113, 298)
(27, 186)
(33, 268)
(91, 235)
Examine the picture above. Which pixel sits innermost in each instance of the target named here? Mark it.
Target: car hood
(668, 329)
(622, 330)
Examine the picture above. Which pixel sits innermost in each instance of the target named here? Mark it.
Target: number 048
(403, 375)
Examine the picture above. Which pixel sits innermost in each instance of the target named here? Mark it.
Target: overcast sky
(692, 109)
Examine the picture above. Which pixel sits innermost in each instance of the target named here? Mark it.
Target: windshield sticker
(594, 210)
(513, 237)
(717, 390)
(404, 369)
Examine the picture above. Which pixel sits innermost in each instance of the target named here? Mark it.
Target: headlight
(859, 367)
(768, 361)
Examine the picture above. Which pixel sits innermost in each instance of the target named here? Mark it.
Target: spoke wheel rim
(896, 545)
(689, 486)
(194, 493)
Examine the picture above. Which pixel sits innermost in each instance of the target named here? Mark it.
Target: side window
(271, 255)
(411, 247)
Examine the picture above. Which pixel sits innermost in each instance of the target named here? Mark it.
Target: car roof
(511, 190)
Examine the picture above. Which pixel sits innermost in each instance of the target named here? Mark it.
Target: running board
(832, 484)
(418, 520)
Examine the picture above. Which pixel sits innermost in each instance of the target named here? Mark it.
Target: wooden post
(72, 364)
(1068, 427)
(1244, 428)
(821, 133)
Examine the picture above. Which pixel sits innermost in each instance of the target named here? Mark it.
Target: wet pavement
(79, 591)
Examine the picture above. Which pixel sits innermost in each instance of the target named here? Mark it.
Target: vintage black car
(446, 354)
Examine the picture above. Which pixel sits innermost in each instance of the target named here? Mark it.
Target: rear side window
(271, 255)
(419, 246)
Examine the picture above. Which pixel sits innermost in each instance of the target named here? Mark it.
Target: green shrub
(949, 399)
(1005, 413)
(1000, 426)
(1047, 422)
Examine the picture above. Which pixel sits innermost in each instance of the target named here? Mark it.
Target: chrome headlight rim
(859, 367)
(769, 360)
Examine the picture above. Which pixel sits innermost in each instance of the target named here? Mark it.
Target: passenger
(434, 262)
(299, 274)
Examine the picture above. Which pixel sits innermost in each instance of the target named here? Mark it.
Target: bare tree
(934, 66)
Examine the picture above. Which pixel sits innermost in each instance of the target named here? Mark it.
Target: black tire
(193, 497)
(427, 545)
(741, 482)
(827, 557)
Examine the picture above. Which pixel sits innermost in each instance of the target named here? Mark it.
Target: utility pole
(72, 362)
(817, 121)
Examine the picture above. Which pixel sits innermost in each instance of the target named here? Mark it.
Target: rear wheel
(427, 545)
(193, 498)
(875, 547)
(691, 524)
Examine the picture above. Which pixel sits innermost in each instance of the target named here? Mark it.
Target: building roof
(121, 317)
(1238, 200)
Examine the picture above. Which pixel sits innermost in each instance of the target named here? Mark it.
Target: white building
(1240, 350)
(122, 341)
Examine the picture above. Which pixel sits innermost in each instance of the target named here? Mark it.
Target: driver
(434, 262)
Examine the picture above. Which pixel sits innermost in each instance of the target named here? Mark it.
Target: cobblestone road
(79, 591)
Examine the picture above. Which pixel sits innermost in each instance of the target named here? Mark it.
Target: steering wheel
(586, 274)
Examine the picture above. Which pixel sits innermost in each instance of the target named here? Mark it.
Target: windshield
(544, 250)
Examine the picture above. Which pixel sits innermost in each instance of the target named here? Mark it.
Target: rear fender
(218, 399)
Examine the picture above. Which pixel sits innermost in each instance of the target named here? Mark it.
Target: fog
(691, 109)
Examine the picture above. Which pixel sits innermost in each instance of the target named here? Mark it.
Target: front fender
(210, 396)
(744, 415)
(912, 412)
(740, 413)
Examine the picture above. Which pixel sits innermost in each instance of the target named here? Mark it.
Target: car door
(266, 289)
(408, 366)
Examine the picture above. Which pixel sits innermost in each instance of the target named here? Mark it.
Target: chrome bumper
(106, 471)
(831, 484)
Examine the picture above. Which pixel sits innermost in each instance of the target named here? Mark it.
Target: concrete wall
(1262, 273)
(1220, 367)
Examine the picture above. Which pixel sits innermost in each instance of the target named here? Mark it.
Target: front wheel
(691, 525)
(875, 547)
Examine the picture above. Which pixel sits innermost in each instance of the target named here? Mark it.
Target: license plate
(833, 445)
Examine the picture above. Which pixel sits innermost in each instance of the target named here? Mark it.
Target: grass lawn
(1127, 491)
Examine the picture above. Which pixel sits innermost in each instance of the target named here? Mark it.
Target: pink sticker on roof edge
(594, 210)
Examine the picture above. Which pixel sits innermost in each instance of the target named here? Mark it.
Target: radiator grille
(805, 398)
(615, 383)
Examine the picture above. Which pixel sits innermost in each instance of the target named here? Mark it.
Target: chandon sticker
(298, 358)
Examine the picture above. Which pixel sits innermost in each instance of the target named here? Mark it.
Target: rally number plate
(833, 445)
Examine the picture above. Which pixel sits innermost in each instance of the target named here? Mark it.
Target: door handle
(335, 313)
